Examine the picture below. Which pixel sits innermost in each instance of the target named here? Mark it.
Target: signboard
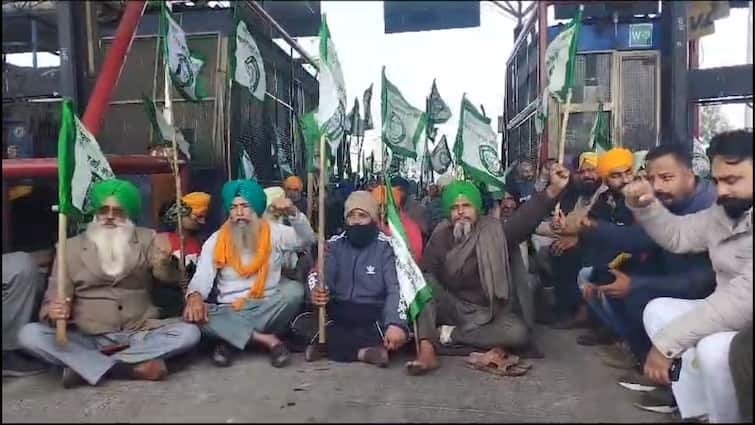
(641, 35)
(407, 16)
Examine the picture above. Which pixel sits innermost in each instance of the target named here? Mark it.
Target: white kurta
(285, 239)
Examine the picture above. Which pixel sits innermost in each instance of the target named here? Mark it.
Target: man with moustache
(467, 263)
(564, 255)
(109, 271)
(687, 276)
(522, 180)
(168, 295)
(243, 261)
(700, 332)
(294, 190)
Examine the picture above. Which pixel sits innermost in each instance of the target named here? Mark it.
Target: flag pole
(61, 334)
(174, 163)
(562, 138)
(321, 239)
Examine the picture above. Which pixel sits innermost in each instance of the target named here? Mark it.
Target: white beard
(462, 229)
(112, 245)
(244, 237)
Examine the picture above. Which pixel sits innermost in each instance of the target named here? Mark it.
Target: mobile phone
(675, 369)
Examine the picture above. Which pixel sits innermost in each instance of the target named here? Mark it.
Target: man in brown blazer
(113, 325)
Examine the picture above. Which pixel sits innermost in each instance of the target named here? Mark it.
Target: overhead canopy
(406, 16)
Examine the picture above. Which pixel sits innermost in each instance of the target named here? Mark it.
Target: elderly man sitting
(467, 262)
(109, 271)
(243, 260)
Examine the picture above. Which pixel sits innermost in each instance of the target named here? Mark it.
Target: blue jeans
(610, 311)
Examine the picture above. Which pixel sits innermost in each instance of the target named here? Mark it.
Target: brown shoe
(151, 370)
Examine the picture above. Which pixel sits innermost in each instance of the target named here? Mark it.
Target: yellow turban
(589, 158)
(199, 202)
(614, 159)
(293, 183)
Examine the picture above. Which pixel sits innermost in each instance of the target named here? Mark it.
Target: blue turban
(250, 190)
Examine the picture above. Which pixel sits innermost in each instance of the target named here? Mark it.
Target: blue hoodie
(684, 274)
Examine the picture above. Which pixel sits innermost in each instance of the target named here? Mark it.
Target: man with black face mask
(699, 332)
(361, 290)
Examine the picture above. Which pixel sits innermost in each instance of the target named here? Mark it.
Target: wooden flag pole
(174, 166)
(562, 137)
(321, 238)
(61, 335)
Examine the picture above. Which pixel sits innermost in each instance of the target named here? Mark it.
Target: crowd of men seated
(657, 266)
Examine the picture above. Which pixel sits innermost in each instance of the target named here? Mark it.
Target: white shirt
(231, 285)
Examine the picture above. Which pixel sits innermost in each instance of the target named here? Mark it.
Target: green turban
(461, 188)
(250, 190)
(123, 191)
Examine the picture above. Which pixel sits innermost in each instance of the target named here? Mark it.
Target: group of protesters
(653, 260)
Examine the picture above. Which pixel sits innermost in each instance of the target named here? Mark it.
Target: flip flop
(498, 362)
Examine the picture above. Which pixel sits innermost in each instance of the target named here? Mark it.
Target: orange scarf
(226, 255)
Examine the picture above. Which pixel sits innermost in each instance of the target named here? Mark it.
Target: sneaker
(17, 365)
(635, 381)
(660, 400)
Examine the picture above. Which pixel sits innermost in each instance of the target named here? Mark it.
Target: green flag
(183, 65)
(248, 66)
(413, 289)
(164, 131)
(331, 110)
(438, 111)
(366, 99)
(600, 135)
(403, 124)
(476, 147)
(560, 58)
(441, 156)
(311, 133)
(80, 164)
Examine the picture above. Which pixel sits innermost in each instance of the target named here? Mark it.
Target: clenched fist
(639, 194)
(559, 178)
(283, 206)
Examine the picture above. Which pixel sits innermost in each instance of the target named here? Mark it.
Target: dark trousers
(507, 329)
(740, 361)
(565, 269)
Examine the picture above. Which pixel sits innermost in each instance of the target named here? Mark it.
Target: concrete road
(569, 385)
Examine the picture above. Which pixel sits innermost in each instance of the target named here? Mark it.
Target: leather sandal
(498, 362)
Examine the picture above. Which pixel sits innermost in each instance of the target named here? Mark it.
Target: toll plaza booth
(617, 68)
(217, 128)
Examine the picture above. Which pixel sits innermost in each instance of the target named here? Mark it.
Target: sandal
(279, 355)
(498, 362)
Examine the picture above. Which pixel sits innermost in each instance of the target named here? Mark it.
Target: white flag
(165, 131)
(80, 163)
(182, 66)
(246, 168)
(476, 147)
(249, 67)
(441, 156)
(560, 57)
(403, 124)
(331, 110)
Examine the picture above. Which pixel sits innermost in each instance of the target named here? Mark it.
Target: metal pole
(68, 87)
(113, 64)
(748, 110)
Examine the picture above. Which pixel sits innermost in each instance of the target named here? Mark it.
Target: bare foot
(426, 360)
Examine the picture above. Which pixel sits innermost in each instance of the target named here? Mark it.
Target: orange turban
(616, 158)
(293, 183)
(380, 192)
(199, 202)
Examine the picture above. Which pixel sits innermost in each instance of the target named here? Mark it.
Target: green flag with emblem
(403, 124)
(476, 147)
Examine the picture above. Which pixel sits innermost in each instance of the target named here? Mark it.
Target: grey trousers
(271, 314)
(82, 352)
(23, 287)
(507, 329)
